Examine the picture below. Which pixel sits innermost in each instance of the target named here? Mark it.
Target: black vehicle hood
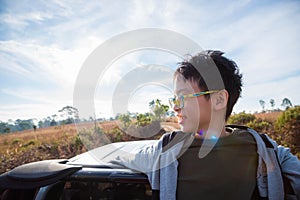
(101, 156)
(37, 174)
(42, 173)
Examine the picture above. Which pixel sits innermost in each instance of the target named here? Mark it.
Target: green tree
(125, 118)
(4, 127)
(288, 125)
(41, 124)
(151, 104)
(23, 124)
(144, 119)
(70, 113)
(47, 122)
(262, 103)
(259, 125)
(286, 103)
(160, 110)
(53, 123)
(241, 118)
(272, 103)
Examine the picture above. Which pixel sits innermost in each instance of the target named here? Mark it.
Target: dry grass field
(268, 116)
(64, 142)
(55, 142)
(45, 143)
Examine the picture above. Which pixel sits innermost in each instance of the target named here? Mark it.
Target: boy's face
(196, 113)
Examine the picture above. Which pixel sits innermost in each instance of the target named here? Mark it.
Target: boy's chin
(188, 129)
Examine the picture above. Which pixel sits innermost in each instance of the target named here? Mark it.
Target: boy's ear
(220, 99)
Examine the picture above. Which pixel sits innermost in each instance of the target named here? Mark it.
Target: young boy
(228, 170)
(208, 159)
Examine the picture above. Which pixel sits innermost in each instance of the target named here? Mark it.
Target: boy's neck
(211, 134)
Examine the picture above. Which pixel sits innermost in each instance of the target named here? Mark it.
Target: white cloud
(49, 41)
(26, 103)
(138, 101)
(13, 65)
(26, 95)
(128, 64)
(23, 14)
(140, 98)
(28, 111)
(43, 62)
(267, 47)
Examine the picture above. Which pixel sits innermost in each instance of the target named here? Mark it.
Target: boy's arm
(290, 166)
(142, 159)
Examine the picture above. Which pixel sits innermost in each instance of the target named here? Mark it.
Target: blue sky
(43, 45)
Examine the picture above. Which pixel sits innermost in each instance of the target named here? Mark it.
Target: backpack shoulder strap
(266, 141)
(168, 137)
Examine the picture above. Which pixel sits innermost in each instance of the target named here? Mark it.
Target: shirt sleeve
(290, 166)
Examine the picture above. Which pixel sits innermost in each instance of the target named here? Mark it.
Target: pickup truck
(84, 177)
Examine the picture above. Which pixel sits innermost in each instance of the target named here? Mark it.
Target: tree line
(68, 115)
(158, 112)
(286, 103)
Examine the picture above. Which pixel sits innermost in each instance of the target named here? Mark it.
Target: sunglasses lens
(178, 102)
(172, 102)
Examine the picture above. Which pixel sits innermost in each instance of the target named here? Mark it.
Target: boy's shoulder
(267, 141)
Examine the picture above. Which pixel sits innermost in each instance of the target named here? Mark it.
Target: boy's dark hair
(205, 62)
